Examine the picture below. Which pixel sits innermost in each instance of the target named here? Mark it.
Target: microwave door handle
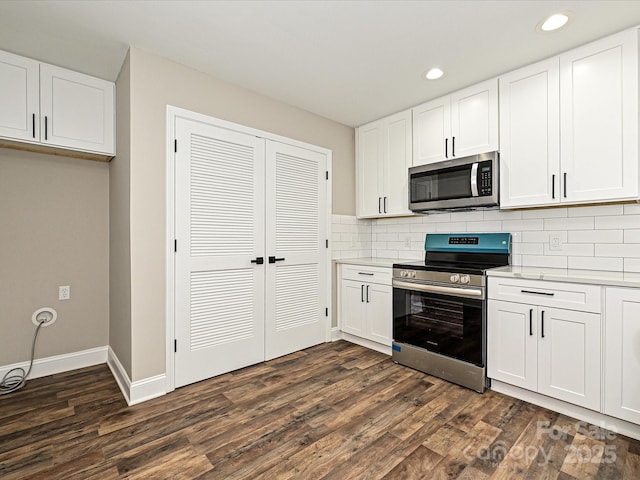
(474, 180)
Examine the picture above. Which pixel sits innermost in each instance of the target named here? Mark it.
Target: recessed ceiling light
(554, 22)
(433, 74)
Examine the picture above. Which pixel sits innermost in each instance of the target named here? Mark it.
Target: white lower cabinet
(366, 302)
(552, 351)
(622, 354)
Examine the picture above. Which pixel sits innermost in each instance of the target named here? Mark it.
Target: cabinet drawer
(571, 296)
(368, 274)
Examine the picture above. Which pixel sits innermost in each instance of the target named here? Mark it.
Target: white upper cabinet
(77, 110)
(19, 106)
(44, 105)
(530, 135)
(461, 124)
(599, 119)
(569, 127)
(383, 161)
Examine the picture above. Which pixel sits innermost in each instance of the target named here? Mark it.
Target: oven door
(442, 319)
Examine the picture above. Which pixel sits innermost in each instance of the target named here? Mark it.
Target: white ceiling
(351, 61)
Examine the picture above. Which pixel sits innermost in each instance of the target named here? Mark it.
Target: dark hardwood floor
(335, 411)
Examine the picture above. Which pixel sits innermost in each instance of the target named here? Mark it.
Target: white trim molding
(336, 334)
(60, 363)
(140, 390)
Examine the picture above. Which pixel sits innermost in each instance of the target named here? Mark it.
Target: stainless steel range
(439, 306)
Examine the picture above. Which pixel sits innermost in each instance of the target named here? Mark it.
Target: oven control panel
(408, 273)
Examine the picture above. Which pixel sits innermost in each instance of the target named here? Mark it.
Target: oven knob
(465, 279)
(412, 274)
(455, 278)
(403, 273)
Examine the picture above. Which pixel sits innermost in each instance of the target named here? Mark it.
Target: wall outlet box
(407, 241)
(555, 241)
(64, 292)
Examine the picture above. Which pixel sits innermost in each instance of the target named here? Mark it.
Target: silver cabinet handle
(474, 179)
(453, 291)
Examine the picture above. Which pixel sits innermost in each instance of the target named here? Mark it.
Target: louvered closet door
(296, 233)
(219, 318)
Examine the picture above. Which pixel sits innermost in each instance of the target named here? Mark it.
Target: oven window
(442, 184)
(448, 325)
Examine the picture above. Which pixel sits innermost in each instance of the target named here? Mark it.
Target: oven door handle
(456, 292)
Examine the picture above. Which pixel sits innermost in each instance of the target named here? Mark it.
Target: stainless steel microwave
(462, 183)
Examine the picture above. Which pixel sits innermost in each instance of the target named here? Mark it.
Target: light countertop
(371, 261)
(593, 277)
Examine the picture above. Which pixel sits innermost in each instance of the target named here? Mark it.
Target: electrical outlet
(407, 241)
(64, 292)
(555, 241)
(352, 242)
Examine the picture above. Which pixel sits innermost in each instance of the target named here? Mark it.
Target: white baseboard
(363, 342)
(596, 418)
(336, 334)
(140, 390)
(60, 363)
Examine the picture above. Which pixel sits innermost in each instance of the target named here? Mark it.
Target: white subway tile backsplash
(522, 225)
(618, 250)
(575, 223)
(467, 216)
(632, 209)
(436, 217)
(451, 227)
(544, 261)
(605, 237)
(545, 213)
(596, 263)
(632, 236)
(484, 226)
(595, 236)
(596, 211)
(632, 265)
(571, 249)
(617, 222)
(502, 214)
(542, 237)
(528, 248)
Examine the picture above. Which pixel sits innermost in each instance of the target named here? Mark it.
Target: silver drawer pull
(365, 273)
(538, 293)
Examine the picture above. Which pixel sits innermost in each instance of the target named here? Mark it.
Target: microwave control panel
(485, 178)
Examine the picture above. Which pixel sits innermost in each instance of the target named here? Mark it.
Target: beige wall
(119, 231)
(54, 214)
(156, 82)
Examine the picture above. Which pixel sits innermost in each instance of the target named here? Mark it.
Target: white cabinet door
(431, 129)
(474, 119)
(512, 343)
(599, 121)
(397, 136)
(370, 169)
(530, 135)
(19, 98)
(569, 356)
(77, 111)
(219, 292)
(622, 354)
(352, 308)
(379, 312)
(296, 264)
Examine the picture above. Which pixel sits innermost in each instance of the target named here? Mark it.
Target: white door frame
(172, 114)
